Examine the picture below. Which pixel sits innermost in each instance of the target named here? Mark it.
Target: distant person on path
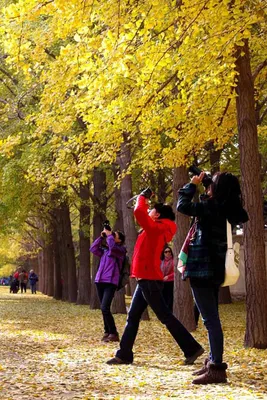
(33, 278)
(112, 254)
(158, 228)
(167, 268)
(23, 279)
(205, 265)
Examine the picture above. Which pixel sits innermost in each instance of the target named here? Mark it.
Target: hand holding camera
(205, 178)
(107, 229)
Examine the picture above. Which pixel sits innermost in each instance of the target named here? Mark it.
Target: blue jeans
(106, 292)
(150, 293)
(206, 298)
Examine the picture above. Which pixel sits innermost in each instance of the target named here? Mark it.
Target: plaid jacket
(207, 248)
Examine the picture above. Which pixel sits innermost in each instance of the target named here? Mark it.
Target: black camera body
(147, 193)
(207, 179)
(106, 225)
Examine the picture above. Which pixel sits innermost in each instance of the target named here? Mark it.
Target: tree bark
(84, 277)
(118, 305)
(100, 186)
(183, 305)
(124, 159)
(50, 270)
(254, 252)
(70, 254)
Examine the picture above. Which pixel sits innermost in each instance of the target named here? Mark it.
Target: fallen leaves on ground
(52, 350)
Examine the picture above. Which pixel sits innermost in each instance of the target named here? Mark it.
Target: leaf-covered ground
(52, 350)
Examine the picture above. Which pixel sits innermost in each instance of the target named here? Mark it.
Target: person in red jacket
(158, 228)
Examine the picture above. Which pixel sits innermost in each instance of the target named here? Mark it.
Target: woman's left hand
(197, 179)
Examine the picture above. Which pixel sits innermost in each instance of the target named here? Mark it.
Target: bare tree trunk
(124, 159)
(50, 270)
(183, 300)
(100, 187)
(70, 254)
(254, 252)
(162, 186)
(84, 281)
(118, 305)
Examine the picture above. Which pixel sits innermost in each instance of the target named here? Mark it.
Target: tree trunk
(100, 186)
(118, 305)
(50, 270)
(70, 254)
(124, 159)
(254, 252)
(183, 305)
(60, 251)
(162, 186)
(84, 280)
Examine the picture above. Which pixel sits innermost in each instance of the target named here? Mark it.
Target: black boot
(215, 373)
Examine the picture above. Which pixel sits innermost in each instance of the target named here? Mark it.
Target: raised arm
(141, 214)
(185, 204)
(96, 247)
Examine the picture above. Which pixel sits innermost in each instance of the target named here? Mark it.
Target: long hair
(225, 189)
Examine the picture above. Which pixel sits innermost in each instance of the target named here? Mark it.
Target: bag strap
(229, 235)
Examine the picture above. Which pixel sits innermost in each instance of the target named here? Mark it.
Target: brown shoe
(203, 369)
(117, 361)
(190, 360)
(105, 336)
(216, 373)
(112, 337)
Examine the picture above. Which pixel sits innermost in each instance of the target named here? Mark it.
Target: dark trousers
(23, 286)
(33, 287)
(106, 292)
(168, 294)
(150, 293)
(206, 299)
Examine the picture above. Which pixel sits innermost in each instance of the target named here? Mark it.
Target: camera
(147, 193)
(206, 181)
(106, 225)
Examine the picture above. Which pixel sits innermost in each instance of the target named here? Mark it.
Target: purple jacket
(110, 260)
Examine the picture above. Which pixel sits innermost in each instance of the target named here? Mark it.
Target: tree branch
(258, 69)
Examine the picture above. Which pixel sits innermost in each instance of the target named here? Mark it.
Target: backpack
(124, 273)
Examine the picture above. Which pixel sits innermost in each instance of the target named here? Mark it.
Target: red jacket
(150, 243)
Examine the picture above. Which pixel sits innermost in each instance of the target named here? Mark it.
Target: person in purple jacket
(111, 256)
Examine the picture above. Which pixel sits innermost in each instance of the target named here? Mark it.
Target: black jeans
(23, 287)
(206, 298)
(150, 293)
(106, 292)
(168, 293)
